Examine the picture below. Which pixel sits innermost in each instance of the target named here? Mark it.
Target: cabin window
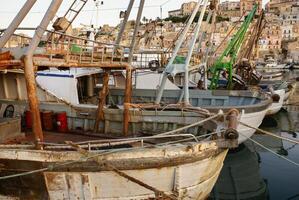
(9, 111)
(86, 88)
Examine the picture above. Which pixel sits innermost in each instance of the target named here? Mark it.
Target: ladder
(74, 11)
(70, 15)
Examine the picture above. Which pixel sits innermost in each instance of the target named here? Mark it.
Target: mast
(175, 52)
(136, 29)
(123, 25)
(190, 53)
(29, 70)
(16, 22)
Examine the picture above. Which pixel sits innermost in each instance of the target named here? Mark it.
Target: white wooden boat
(184, 171)
(277, 105)
(283, 89)
(153, 167)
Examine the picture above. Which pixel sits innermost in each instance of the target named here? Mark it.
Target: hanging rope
(229, 33)
(270, 150)
(271, 134)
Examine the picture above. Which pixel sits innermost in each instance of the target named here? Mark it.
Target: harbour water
(252, 172)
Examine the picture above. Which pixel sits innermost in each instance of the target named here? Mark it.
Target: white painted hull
(253, 119)
(276, 106)
(188, 180)
(287, 95)
(188, 171)
(290, 91)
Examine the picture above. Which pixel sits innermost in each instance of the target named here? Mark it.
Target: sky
(108, 12)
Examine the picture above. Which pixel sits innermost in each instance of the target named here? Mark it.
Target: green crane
(230, 54)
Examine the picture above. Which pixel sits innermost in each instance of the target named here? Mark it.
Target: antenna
(98, 3)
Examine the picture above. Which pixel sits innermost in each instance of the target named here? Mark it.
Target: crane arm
(231, 52)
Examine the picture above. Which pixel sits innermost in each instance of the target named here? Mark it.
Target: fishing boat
(272, 64)
(272, 75)
(252, 106)
(85, 150)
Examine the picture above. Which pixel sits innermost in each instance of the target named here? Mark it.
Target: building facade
(247, 5)
(230, 9)
(186, 9)
(277, 6)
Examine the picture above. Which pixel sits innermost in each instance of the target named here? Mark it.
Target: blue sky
(109, 12)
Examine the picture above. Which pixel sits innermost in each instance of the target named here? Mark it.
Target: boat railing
(75, 49)
(83, 50)
(115, 142)
(17, 40)
(104, 143)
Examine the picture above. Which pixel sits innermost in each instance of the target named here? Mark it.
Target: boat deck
(69, 141)
(55, 137)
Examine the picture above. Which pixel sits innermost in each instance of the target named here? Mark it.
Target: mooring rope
(292, 104)
(194, 124)
(271, 134)
(270, 150)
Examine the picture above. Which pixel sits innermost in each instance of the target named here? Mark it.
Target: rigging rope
(228, 34)
(271, 134)
(194, 124)
(270, 150)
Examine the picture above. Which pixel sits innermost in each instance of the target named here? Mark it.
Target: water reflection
(240, 177)
(251, 172)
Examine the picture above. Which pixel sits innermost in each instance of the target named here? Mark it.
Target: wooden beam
(33, 101)
(127, 101)
(102, 101)
(73, 64)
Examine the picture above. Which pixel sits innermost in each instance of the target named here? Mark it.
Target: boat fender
(275, 98)
(231, 133)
